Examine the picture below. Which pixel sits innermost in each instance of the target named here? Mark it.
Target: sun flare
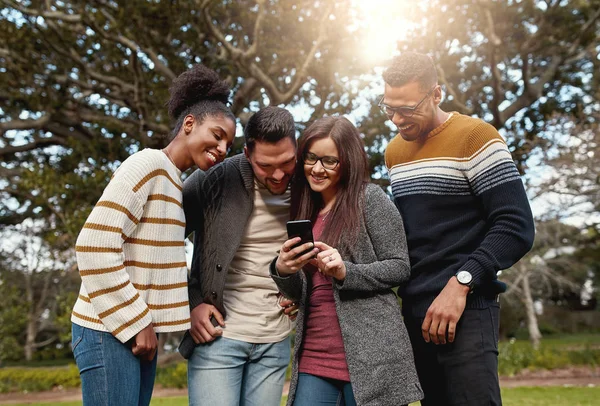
(385, 22)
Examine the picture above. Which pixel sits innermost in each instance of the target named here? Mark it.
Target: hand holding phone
(298, 250)
(302, 229)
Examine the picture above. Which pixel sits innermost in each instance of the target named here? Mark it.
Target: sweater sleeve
(291, 285)
(102, 264)
(193, 200)
(386, 232)
(496, 182)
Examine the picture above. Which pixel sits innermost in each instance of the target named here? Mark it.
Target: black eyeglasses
(404, 111)
(328, 162)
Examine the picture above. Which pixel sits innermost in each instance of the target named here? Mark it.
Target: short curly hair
(198, 91)
(411, 67)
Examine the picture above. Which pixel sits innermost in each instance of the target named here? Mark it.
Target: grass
(554, 352)
(565, 342)
(551, 396)
(547, 396)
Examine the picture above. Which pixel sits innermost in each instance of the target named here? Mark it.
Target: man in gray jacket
(238, 346)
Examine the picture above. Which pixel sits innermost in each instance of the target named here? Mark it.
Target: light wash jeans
(227, 372)
(110, 373)
(316, 391)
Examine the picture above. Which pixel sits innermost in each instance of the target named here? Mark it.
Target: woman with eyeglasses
(351, 344)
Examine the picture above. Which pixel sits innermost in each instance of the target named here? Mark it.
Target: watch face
(464, 277)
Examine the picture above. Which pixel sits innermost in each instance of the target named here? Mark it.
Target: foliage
(83, 85)
(35, 298)
(38, 379)
(12, 322)
(515, 356)
(172, 376)
(513, 64)
(95, 79)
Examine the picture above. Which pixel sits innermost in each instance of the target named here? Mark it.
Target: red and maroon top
(322, 352)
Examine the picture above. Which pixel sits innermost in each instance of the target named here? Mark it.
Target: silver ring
(330, 258)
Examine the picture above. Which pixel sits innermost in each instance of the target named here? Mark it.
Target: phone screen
(302, 229)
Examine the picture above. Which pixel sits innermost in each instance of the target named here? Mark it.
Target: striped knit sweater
(464, 208)
(130, 252)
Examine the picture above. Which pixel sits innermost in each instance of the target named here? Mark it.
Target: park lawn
(525, 396)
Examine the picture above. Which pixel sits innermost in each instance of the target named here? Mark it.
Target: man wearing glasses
(466, 217)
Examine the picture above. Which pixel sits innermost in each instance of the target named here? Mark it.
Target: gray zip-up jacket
(378, 350)
(218, 204)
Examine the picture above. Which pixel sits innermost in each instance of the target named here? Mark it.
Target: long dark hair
(346, 215)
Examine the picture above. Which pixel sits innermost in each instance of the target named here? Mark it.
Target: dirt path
(575, 376)
(559, 377)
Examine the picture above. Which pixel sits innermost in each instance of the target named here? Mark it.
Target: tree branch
(275, 94)
(251, 52)
(456, 99)
(35, 144)
(535, 90)
(48, 15)
(133, 47)
(45, 342)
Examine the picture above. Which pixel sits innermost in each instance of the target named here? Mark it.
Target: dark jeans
(464, 372)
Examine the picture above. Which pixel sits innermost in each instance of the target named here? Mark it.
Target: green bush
(515, 356)
(172, 376)
(38, 379)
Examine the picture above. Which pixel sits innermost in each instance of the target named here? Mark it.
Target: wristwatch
(465, 278)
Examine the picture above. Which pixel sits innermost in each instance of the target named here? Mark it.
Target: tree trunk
(532, 324)
(31, 333)
(162, 340)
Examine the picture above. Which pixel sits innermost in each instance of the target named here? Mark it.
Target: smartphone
(302, 229)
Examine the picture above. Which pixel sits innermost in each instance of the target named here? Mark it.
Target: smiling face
(208, 142)
(273, 163)
(321, 180)
(422, 121)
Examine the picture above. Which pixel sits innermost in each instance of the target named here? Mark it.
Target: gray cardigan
(378, 350)
(218, 204)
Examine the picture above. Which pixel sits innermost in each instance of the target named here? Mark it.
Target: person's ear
(188, 124)
(437, 95)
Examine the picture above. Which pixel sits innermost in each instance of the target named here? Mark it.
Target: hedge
(513, 357)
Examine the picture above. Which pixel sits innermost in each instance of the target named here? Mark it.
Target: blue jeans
(315, 391)
(227, 372)
(110, 373)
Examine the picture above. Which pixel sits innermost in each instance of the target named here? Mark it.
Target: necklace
(166, 151)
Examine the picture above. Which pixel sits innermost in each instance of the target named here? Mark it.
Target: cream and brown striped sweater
(130, 252)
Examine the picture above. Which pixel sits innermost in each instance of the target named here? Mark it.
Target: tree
(548, 270)
(564, 256)
(85, 83)
(32, 282)
(572, 169)
(514, 63)
(571, 188)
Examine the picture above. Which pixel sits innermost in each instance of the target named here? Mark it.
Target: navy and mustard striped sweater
(464, 208)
